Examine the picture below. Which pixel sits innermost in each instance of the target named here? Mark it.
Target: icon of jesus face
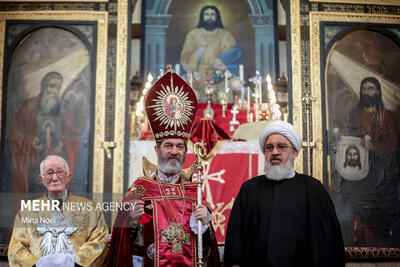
(352, 157)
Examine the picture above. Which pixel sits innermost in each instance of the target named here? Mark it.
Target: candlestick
(257, 80)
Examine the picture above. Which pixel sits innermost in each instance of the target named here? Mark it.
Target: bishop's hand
(136, 210)
(201, 213)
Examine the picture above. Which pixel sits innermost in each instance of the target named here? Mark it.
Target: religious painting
(173, 106)
(48, 105)
(207, 41)
(53, 84)
(352, 161)
(47, 91)
(362, 118)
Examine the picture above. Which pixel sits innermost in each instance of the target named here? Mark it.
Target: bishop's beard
(168, 167)
(279, 172)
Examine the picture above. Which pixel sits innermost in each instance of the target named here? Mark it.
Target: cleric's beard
(279, 172)
(170, 167)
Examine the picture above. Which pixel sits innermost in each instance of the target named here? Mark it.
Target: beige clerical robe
(90, 239)
(218, 42)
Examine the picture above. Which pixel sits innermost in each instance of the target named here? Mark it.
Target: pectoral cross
(175, 235)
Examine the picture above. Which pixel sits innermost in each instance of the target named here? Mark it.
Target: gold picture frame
(101, 18)
(319, 131)
(365, 2)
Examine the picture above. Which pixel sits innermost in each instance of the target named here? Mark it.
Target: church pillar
(155, 43)
(264, 43)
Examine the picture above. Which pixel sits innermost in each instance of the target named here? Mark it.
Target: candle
(190, 78)
(226, 81)
(248, 98)
(249, 119)
(177, 69)
(241, 72)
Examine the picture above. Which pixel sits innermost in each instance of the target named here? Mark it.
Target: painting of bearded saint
(210, 46)
(363, 88)
(45, 98)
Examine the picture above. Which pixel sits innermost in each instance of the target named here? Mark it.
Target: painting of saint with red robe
(48, 108)
(363, 88)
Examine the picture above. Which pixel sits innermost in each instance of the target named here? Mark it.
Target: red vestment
(164, 204)
(25, 155)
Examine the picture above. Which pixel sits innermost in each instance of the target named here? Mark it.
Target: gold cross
(175, 235)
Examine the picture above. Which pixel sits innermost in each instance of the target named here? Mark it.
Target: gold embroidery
(176, 235)
(139, 191)
(170, 191)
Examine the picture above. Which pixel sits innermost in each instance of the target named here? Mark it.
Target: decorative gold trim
(2, 36)
(365, 2)
(102, 21)
(315, 19)
(295, 34)
(120, 101)
(368, 253)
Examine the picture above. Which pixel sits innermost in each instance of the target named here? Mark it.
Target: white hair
(54, 156)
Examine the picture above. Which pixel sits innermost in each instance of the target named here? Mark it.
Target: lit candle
(241, 72)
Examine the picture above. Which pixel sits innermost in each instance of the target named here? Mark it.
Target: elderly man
(161, 228)
(54, 233)
(283, 218)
